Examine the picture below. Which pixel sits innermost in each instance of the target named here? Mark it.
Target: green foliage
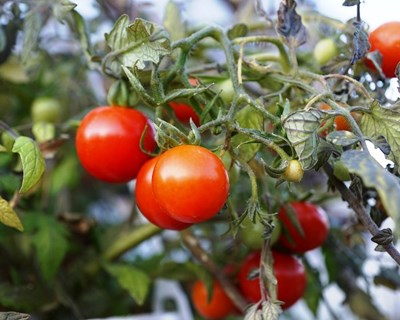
(134, 280)
(32, 160)
(8, 216)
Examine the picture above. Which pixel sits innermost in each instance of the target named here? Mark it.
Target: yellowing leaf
(33, 163)
(373, 175)
(8, 216)
(383, 121)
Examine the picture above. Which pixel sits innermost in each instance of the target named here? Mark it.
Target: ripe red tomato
(314, 222)
(147, 203)
(289, 272)
(386, 39)
(190, 183)
(341, 122)
(218, 307)
(184, 112)
(108, 143)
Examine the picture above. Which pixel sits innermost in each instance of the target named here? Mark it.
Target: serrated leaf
(342, 138)
(173, 22)
(301, 129)
(135, 281)
(137, 43)
(33, 163)
(374, 176)
(383, 121)
(250, 119)
(62, 8)
(8, 216)
(43, 131)
(14, 316)
(50, 242)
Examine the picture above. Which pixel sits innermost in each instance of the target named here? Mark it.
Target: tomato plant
(147, 203)
(108, 143)
(313, 222)
(386, 39)
(216, 306)
(289, 272)
(184, 113)
(190, 183)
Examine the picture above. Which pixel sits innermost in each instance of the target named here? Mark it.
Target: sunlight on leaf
(8, 216)
(33, 163)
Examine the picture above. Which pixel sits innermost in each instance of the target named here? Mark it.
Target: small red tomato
(289, 272)
(386, 39)
(218, 307)
(314, 222)
(108, 143)
(147, 203)
(184, 113)
(190, 183)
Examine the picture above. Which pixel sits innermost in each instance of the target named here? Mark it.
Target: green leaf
(62, 8)
(14, 316)
(8, 216)
(33, 163)
(314, 290)
(8, 141)
(238, 30)
(374, 176)
(384, 121)
(349, 3)
(173, 21)
(301, 129)
(43, 131)
(50, 241)
(135, 281)
(137, 43)
(250, 119)
(32, 25)
(342, 138)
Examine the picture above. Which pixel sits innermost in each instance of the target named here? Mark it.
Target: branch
(362, 215)
(193, 245)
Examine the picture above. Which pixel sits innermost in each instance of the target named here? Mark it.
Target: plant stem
(362, 215)
(130, 239)
(195, 248)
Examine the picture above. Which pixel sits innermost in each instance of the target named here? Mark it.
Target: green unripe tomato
(226, 89)
(325, 50)
(251, 233)
(294, 171)
(341, 172)
(46, 109)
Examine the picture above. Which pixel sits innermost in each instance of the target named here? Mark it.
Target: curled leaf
(290, 25)
(8, 216)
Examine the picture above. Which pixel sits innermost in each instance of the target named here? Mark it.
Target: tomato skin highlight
(147, 203)
(314, 223)
(386, 39)
(190, 183)
(108, 143)
(218, 307)
(184, 112)
(289, 272)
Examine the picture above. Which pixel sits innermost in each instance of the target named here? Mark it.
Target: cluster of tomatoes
(288, 241)
(186, 184)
